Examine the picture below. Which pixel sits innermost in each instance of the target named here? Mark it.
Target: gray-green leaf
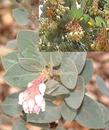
(30, 64)
(54, 88)
(19, 124)
(19, 77)
(75, 99)
(87, 72)
(21, 16)
(27, 43)
(79, 58)
(9, 60)
(90, 115)
(10, 105)
(68, 113)
(68, 73)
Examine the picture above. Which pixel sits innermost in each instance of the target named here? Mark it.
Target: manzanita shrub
(52, 83)
(52, 87)
(67, 25)
(75, 25)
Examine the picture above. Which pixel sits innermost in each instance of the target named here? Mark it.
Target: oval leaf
(9, 60)
(79, 59)
(87, 72)
(21, 16)
(19, 124)
(68, 113)
(75, 99)
(54, 88)
(90, 114)
(30, 64)
(27, 43)
(68, 73)
(10, 105)
(19, 77)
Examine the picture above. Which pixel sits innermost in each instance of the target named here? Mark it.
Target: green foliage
(56, 18)
(19, 124)
(76, 97)
(17, 76)
(12, 44)
(9, 60)
(100, 21)
(76, 13)
(54, 88)
(87, 71)
(53, 58)
(68, 113)
(27, 43)
(90, 114)
(10, 105)
(73, 73)
(78, 58)
(21, 16)
(69, 73)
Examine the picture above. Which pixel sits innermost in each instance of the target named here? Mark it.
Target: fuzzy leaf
(61, 90)
(54, 88)
(12, 44)
(19, 77)
(21, 16)
(52, 58)
(10, 105)
(9, 60)
(52, 85)
(30, 64)
(105, 111)
(87, 72)
(76, 97)
(27, 43)
(19, 124)
(68, 73)
(79, 58)
(68, 113)
(90, 114)
(55, 58)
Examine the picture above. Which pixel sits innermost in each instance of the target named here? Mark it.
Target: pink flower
(32, 99)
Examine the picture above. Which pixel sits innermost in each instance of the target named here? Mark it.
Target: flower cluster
(32, 99)
(75, 31)
(56, 10)
(102, 42)
(95, 10)
(64, 23)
